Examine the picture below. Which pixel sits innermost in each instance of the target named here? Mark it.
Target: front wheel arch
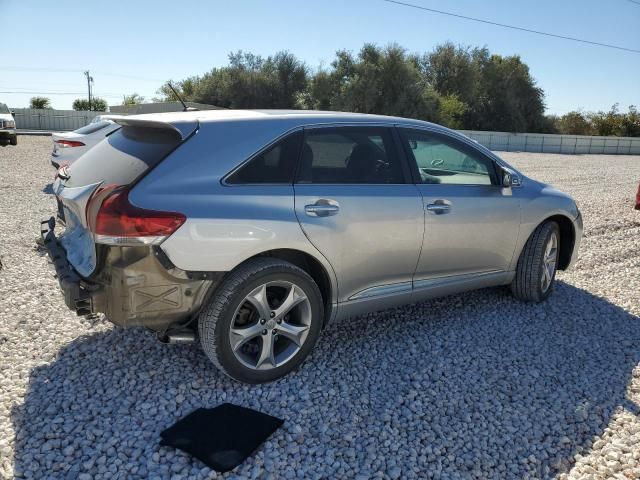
(567, 239)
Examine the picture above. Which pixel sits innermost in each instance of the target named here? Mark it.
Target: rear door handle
(322, 208)
(438, 208)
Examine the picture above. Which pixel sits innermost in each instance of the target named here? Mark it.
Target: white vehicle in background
(7, 126)
(69, 146)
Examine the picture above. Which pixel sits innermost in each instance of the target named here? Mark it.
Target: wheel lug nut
(264, 332)
(279, 321)
(273, 314)
(262, 321)
(274, 332)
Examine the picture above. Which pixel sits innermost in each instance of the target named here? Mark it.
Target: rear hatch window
(123, 156)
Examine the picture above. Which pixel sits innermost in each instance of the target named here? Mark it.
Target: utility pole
(89, 82)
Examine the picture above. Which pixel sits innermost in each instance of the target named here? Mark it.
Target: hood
(6, 116)
(566, 200)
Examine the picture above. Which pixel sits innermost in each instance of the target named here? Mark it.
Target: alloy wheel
(270, 325)
(549, 261)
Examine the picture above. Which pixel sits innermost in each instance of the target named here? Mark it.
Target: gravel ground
(470, 386)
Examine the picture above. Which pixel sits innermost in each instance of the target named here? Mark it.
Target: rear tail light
(69, 143)
(115, 221)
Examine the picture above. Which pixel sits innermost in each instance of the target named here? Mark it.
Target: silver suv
(253, 229)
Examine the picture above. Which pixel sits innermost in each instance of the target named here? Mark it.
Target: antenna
(186, 109)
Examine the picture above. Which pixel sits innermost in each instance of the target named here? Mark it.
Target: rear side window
(350, 155)
(92, 127)
(277, 164)
(123, 156)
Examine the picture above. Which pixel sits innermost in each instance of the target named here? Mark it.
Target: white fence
(52, 120)
(547, 143)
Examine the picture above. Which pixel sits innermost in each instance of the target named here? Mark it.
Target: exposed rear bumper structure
(76, 296)
(138, 287)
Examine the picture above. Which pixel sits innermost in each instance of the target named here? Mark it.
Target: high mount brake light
(118, 222)
(69, 143)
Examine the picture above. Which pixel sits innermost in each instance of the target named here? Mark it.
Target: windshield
(4, 108)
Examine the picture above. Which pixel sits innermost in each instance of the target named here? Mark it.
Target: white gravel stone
(471, 386)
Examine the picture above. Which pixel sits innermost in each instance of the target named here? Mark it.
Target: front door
(356, 204)
(471, 222)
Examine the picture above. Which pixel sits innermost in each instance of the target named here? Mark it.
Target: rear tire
(14, 140)
(248, 331)
(537, 265)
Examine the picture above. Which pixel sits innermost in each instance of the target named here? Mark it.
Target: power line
(67, 70)
(38, 69)
(58, 93)
(504, 25)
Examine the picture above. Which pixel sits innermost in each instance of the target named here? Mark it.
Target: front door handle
(322, 208)
(438, 208)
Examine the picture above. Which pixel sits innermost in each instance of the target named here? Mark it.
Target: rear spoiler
(183, 129)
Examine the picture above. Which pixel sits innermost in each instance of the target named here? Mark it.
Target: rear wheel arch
(311, 266)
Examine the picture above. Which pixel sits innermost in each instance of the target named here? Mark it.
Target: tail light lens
(69, 143)
(118, 222)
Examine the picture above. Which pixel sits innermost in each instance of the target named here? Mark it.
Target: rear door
(471, 222)
(355, 203)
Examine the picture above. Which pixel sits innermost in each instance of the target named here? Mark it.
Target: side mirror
(507, 178)
(13, 114)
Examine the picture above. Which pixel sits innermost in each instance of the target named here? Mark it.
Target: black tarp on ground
(221, 437)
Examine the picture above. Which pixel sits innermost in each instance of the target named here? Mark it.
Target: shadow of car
(471, 383)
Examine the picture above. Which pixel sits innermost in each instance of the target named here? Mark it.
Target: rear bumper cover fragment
(76, 295)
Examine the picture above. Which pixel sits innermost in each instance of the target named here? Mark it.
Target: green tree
(97, 104)
(499, 92)
(40, 102)
(133, 99)
(574, 123)
(185, 89)
(451, 112)
(385, 81)
(461, 87)
(631, 123)
(249, 81)
(608, 123)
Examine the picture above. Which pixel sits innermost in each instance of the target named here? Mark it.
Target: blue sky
(148, 42)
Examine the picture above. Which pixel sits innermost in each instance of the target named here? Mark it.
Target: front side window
(4, 108)
(441, 159)
(277, 164)
(349, 155)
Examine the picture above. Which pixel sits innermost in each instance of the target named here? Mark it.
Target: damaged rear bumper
(135, 286)
(76, 295)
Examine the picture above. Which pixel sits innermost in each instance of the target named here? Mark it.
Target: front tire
(537, 265)
(14, 140)
(262, 321)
